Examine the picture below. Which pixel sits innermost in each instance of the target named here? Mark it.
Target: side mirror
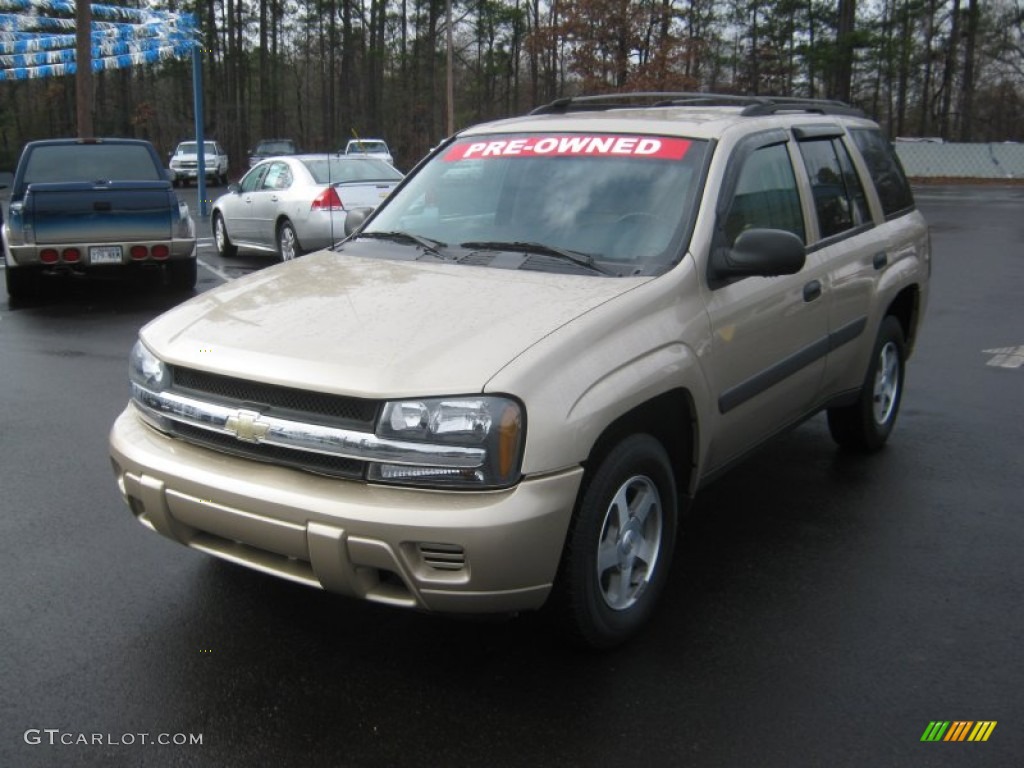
(235, 188)
(355, 218)
(760, 253)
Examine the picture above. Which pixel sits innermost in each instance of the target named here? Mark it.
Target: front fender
(607, 362)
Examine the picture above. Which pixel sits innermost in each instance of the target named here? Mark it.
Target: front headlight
(148, 376)
(146, 369)
(493, 425)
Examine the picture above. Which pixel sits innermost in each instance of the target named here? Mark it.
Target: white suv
(184, 165)
(500, 391)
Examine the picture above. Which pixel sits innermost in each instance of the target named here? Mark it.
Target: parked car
(94, 207)
(501, 390)
(291, 205)
(184, 165)
(371, 147)
(272, 148)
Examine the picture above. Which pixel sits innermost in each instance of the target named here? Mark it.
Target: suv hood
(371, 327)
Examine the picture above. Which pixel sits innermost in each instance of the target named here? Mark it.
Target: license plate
(105, 254)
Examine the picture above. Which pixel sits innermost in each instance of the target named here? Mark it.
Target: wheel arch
(905, 307)
(671, 418)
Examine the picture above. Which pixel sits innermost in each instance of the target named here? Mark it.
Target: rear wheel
(865, 425)
(288, 246)
(22, 283)
(182, 275)
(220, 237)
(619, 546)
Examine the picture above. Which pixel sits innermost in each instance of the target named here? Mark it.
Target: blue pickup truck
(95, 206)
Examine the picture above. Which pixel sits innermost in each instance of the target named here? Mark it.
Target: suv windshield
(625, 201)
(281, 147)
(189, 148)
(361, 146)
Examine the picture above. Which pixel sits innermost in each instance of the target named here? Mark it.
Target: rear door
(239, 208)
(847, 242)
(267, 202)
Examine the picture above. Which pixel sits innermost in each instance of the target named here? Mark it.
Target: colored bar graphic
(958, 730)
(982, 730)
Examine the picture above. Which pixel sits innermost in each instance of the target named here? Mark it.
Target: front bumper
(490, 552)
(212, 172)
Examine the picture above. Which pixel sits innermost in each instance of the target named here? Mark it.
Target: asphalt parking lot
(824, 609)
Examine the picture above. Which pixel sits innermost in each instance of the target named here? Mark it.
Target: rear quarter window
(886, 171)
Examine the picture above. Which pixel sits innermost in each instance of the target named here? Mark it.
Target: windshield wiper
(576, 257)
(428, 244)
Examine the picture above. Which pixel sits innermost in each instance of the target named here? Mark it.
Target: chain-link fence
(923, 159)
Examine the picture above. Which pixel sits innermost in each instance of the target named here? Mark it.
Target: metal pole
(197, 97)
(450, 77)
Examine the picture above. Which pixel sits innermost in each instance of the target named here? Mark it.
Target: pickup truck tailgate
(91, 212)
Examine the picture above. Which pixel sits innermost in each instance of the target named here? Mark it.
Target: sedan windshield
(624, 203)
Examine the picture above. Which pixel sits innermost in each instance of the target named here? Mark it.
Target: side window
(766, 196)
(251, 180)
(885, 169)
(278, 177)
(838, 195)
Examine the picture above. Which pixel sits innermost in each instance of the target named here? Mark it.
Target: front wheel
(619, 546)
(288, 247)
(865, 425)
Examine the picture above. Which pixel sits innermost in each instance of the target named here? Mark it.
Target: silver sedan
(293, 205)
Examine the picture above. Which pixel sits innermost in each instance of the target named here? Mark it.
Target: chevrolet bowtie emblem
(247, 426)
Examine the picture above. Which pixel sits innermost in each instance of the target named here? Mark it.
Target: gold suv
(500, 389)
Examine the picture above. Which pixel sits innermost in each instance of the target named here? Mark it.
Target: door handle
(812, 290)
(880, 260)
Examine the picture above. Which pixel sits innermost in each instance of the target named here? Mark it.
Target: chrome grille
(300, 405)
(287, 402)
(334, 466)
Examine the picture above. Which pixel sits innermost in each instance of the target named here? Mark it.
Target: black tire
(288, 245)
(221, 239)
(865, 426)
(182, 275)
(624, 523)
(22, 283)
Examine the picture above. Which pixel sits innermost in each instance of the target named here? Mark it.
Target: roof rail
(752, 105)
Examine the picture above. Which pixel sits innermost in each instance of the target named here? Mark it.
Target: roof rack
(752, 105)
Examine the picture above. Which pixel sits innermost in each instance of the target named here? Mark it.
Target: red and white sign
(572, 145)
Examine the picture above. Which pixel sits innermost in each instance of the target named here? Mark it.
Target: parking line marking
(1006, 357)
(216, 270)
